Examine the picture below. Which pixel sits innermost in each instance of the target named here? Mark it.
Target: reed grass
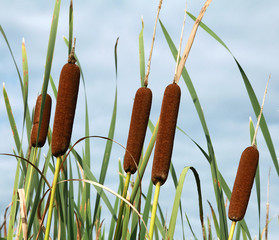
(79, 214)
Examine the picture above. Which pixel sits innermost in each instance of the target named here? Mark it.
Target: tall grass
(80, 214)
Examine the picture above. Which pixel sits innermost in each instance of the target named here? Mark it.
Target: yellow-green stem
(154, 209)
(56, 173)
(232, 230)
(121, 208)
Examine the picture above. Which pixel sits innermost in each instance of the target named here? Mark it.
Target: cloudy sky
(248, 28)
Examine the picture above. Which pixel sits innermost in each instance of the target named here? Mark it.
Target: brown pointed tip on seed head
(243, 183)
(165, 135)
(44, 123)
(137, 131)
(65, 109)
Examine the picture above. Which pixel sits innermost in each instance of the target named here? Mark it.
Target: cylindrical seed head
(137, 131)
(243, 183)
(44, 123)
(65, 108)
(165, 135)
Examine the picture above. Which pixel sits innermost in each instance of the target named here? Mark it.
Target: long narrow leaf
(109, 143)
(177, 197)
(12, 121)
(252, 96)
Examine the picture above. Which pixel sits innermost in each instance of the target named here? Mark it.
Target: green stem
(154, 209)
(52, 197)
(121, 208)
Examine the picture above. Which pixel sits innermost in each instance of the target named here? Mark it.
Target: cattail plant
(244, 179)
(63, 120)
(168, 119)
(44, 124)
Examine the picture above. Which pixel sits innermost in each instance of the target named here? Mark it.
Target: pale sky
(248, 28)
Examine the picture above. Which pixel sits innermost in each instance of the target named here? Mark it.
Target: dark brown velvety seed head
(44, 123)
(137, 131)
(65, 109)
(243, 183)
(165, 135)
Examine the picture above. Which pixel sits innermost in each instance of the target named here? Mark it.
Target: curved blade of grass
(213, 164)
(252, 96)
(109, 143)
(177, 198)
(98, 185)
(141, 55)
(91, 177)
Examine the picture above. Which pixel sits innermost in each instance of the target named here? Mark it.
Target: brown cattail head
(137, 131)
(65, 108)
(165, 135)
(44, 123)
(243, 183)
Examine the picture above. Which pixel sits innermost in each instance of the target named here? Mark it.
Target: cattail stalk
(154, 210)
(244, 178)
(54, 183)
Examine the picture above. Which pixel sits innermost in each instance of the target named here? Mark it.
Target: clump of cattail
(137, 131)
(65, 106)
(243, 183)
(165, 135)
(44, 124)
